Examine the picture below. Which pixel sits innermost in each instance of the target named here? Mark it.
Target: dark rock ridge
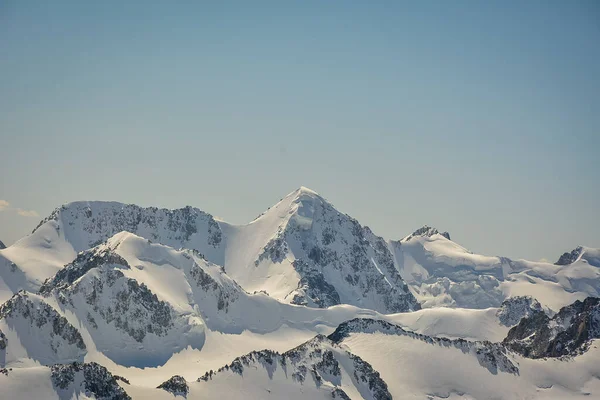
(568, 333)
(569, 258)
(316, 359)
(2, 246)
(225, 295)
(85, 261)
(134, 309)
(176, 385)
(427, 231)
(95, 222)
(92, 377)
(40, 314)
(515, 308)
(492, 356)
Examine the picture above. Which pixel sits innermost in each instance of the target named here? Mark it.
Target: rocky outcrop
(569, 258)
(568, 333)
(515, 308)
(44, 320)
(94, 258)
(426, 231)
(88, 378)
(317, 361)
(176, 385)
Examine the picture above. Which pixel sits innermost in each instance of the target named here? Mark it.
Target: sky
(478, 118)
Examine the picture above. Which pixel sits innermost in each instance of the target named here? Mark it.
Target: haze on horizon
(482, 119)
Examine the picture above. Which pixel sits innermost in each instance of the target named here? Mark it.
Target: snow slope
(442, 273)
(161, 297)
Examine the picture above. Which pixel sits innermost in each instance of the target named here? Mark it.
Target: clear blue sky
(480, 118)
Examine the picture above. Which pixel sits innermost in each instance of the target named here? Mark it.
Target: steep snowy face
(442, 273)
(31, 328)
(318, 363)
(87, 224)
(328, 258)
(568, 333)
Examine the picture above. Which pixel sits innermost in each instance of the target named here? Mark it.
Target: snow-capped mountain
(113, 301)
(440, 272)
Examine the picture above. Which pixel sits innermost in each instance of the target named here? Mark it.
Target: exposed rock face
(515, 308)
(569, 258)
(87, 224)
(45, 322)
(427, 231)
(318, 361)
(492, 356)
(225, 295)
(3, 341)
(568, 333)
(90, 377)
(337, 259)
(176, 385)
(2, 246)
(99, 256)
(130, 306)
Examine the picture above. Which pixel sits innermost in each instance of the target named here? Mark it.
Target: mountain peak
(570, 257)
(426, 231)
(305, 190)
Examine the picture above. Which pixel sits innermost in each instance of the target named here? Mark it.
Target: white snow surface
(151, 293)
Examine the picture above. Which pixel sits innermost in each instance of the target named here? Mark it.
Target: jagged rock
(96, 257)
(176, 385)
(95, 379)
(41, 314)
(569, 258)
(568, 333)
(3, 340)
(2, 246)
(515, 308)
(90, 223)
(316, 359)
(426, 231)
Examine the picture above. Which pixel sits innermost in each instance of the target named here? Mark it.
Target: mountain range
(114, 301)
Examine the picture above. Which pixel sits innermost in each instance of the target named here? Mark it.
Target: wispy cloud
(27, 213)
(5, 206)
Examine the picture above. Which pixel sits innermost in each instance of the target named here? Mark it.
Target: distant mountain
(440, 272)
(113, 301)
